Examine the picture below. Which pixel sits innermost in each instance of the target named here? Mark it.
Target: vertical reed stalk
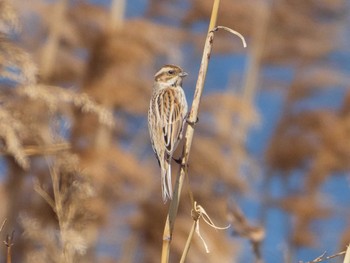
(117, 15)
(49, 52)
(193, 115)
(347, 255)
(261, 23)
(9, 243)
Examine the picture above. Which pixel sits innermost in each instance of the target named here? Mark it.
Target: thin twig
(188, 242)
(232, 32)
(42, 150)
(197, 213)
(9, 243)
(3, 224)
(323, 258)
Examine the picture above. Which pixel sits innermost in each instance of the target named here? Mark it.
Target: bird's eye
(171, 72)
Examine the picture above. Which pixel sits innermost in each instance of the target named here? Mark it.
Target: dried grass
(105, 71)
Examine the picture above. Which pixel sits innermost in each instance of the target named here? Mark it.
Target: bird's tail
(167, 191)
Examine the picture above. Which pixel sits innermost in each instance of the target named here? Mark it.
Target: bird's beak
(183, 74)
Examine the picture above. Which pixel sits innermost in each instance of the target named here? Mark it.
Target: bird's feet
(180, 162)
(192, 123)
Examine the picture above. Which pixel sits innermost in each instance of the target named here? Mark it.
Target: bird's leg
(180, 162)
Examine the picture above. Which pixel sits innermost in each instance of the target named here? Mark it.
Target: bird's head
(170, 75)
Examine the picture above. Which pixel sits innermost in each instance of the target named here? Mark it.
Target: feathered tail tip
(167, 191)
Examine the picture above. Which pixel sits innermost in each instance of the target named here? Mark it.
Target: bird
(166, 120)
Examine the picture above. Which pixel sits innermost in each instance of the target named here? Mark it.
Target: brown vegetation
(79, 182)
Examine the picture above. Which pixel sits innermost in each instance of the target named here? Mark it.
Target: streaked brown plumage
(166, 116)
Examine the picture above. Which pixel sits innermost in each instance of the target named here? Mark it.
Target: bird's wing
(172, 111)
(154, 130)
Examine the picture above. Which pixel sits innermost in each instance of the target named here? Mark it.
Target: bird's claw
(179, 161)
(192, 123)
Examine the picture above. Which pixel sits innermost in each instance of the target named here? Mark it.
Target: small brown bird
(166, 117)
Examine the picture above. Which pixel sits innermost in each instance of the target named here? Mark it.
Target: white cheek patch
(172, 81)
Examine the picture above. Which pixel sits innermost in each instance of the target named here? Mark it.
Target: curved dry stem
(197, 213)
(323, 257)
(232, 32)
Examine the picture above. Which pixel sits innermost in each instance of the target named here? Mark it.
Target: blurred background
(271, 152)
